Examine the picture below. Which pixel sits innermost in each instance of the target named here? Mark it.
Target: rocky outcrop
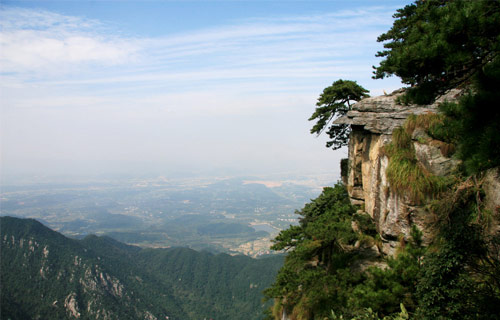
(382, 114)
(68, 285)
(372, 121)
(71, 306)
(491, 188)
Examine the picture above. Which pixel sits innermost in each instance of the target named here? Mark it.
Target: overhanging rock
(381, 115)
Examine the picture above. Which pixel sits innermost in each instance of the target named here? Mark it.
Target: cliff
(373, 121)
(424, 227)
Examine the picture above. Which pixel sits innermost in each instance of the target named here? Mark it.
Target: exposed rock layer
(373, 121)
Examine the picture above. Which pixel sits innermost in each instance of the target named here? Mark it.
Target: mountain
(45, 275)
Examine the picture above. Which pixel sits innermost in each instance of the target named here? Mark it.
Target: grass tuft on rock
(405, 175)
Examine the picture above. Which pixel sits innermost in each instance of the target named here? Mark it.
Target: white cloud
(65, 58)
(30, 50)
(45, 42)
(38, 43)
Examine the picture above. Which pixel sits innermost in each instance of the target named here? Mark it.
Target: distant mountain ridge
(45, 275)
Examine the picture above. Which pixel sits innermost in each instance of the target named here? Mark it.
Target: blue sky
(161, 87)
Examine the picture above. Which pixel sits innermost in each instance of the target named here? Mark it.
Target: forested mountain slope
(45, 275)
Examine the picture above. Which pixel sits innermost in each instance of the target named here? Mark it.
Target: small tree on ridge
(333, 103)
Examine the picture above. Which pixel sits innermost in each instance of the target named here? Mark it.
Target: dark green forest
(433, 46)
(43, 272)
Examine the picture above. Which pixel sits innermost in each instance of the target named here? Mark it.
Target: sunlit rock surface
(373, 121)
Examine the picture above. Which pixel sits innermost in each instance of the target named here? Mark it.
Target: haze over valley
(237, 215)
(175, 89)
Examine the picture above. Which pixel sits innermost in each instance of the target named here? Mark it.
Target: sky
(178, 87)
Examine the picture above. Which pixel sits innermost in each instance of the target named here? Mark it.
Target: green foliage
(438, 45)
(212, 286)
(382, 290)
(459, 279)
(311, 278)
(319, 275)
(333, 103)
(344, 169)
(472, 123)
(365, 224)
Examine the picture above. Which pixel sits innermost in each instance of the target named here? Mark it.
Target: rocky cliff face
(373, 121)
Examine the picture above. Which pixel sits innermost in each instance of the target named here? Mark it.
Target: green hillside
(45, 275)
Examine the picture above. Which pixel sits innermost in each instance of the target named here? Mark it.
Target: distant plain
(219, 214)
